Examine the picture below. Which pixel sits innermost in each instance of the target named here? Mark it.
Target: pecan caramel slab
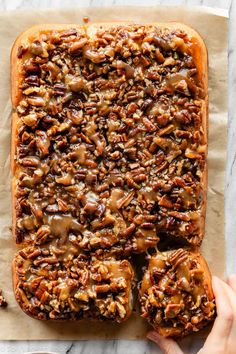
(109, 156)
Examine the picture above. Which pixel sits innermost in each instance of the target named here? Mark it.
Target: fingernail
(153, 336)
(232, 276)
(216, 282)
(215, 279)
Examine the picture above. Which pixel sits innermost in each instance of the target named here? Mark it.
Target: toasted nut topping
(110, 158)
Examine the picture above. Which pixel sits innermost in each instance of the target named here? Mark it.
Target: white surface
(144, 347)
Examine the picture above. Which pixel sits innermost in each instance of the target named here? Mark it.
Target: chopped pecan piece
(110, 155)
(3, 302)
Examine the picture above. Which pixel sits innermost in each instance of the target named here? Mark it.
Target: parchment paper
(212, 25)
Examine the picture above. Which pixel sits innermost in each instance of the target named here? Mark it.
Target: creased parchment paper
(212, 25)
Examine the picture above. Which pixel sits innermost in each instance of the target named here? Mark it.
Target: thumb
(167, 345)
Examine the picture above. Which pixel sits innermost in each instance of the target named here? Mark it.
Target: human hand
(222, 339)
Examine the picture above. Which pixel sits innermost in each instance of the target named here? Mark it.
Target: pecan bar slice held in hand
(176, 294)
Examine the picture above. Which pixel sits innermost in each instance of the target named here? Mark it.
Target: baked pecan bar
(109, 137)
(62, 284)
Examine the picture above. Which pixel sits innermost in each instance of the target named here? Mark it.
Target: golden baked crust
(176, 293)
